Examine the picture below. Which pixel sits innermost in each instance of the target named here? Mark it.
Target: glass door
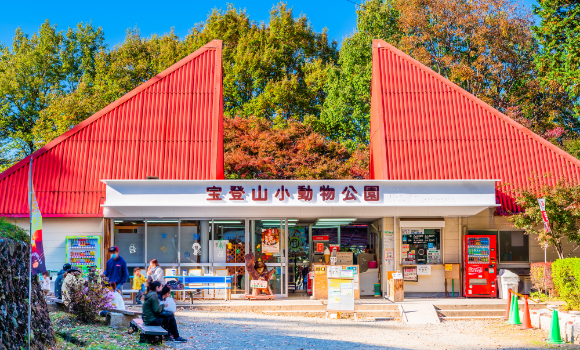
(228, 246)
(269, 244)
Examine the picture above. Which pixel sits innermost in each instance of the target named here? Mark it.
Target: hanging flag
(36, 249)
(542, 202)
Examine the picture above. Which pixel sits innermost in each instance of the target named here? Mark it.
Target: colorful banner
(271, 240)
(37, 250)
(542, 203)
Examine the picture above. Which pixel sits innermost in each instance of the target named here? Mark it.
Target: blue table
(205, 280)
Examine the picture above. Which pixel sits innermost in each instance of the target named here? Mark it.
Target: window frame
(442, 242)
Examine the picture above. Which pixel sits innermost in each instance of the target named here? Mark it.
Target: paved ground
(246, 330)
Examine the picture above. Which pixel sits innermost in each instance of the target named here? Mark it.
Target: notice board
(340, 294)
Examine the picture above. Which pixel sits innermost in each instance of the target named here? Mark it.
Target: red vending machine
(480, 268)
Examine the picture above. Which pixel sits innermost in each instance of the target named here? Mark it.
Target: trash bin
(507, 280)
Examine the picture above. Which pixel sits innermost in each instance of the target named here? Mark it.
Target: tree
(346, 113)
(562, 208)
(275, 71)
(255, 149)
(559, 37)
(486, 47)
(35, 70)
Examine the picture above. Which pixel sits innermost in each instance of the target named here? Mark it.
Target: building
(146, 174)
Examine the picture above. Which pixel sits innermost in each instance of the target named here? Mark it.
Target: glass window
(130, 238)
(514, 246)
(162, 242)
(421, 246)
(191, 243)
(268, 240)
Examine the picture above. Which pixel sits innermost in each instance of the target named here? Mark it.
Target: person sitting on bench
(152, 310)
(115, 299)
(168, 301)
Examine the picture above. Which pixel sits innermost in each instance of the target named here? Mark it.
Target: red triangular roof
(170, 126)
(425, 127)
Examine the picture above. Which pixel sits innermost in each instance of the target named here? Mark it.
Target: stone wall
(14, 301)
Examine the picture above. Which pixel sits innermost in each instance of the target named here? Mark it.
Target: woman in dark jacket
(152, 313)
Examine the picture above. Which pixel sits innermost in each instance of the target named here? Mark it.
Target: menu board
(421, 246)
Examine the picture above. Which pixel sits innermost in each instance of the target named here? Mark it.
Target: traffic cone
(508, 306)
(511, 310)
(527, 324)
(515, 314)
(555, 337)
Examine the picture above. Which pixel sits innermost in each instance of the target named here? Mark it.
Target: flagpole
(30, 255)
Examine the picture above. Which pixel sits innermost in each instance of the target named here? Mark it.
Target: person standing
(59, 279)
(155, 272)
(116, 270)
(139, 282)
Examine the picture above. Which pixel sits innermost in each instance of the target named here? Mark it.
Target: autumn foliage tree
(562, 207)
(485, 46)
(255, 149)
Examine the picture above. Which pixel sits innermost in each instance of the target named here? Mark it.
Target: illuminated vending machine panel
(480, 254)
(83, 251)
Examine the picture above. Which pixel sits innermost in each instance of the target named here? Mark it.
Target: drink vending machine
(480, 254)
(83, 251)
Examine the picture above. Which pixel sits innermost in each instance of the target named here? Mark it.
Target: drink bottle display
(480, 266)
(83, 250)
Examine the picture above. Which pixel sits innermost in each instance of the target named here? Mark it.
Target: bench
(217, 282)
(59, 304)
(147, 334)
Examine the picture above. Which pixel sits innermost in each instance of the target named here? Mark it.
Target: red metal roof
(424, 127)
(170, 126)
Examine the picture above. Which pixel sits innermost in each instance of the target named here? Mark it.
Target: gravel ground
(246, 330)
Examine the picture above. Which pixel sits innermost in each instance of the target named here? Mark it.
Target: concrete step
(470, 313)
(501, 306)
(311, 313)
(287, 307)
(459, 318)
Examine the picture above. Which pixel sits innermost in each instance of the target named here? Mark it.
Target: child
(118, 301)
(170, 306)
(139, 283)
(45, 282)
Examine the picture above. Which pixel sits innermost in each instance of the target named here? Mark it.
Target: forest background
(296, 106)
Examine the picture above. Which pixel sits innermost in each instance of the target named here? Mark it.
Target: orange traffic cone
(508, 306)
(527, 324)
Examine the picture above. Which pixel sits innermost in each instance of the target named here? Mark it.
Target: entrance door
(298, 257)
(269, 244)
(228, 245)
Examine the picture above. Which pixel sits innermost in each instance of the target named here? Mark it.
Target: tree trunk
(560, 251)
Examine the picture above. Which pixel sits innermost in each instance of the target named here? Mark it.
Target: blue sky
(159, 16)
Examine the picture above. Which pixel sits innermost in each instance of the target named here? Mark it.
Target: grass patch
(72, 334)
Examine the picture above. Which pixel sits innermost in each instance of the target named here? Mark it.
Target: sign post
(542, 203)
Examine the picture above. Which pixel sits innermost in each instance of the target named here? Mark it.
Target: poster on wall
(389, 241)
(424, 270)
(270, 240)
(297, 239)
(410, 274)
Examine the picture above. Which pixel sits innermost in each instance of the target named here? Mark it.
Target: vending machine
(480, 268)
(83, 251)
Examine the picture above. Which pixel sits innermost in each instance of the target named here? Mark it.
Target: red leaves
(256, 149)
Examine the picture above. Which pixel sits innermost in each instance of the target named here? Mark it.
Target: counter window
(421, 246)
(514, 246)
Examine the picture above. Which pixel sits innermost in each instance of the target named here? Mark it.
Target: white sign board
(389, 241)
(423, 269)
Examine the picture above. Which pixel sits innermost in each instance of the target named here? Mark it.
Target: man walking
(116, 269)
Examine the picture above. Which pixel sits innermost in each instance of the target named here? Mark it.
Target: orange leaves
(255, 149)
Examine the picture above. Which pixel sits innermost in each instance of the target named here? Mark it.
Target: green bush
(12, 231)
(566, 277)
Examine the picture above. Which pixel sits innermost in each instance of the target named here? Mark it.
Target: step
(470, 313)
(459, 318)
(310, 313)
(501, 306)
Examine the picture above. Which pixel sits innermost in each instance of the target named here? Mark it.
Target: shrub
(566, 277)
(537, 276)
(12, 231)
(86, 298)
